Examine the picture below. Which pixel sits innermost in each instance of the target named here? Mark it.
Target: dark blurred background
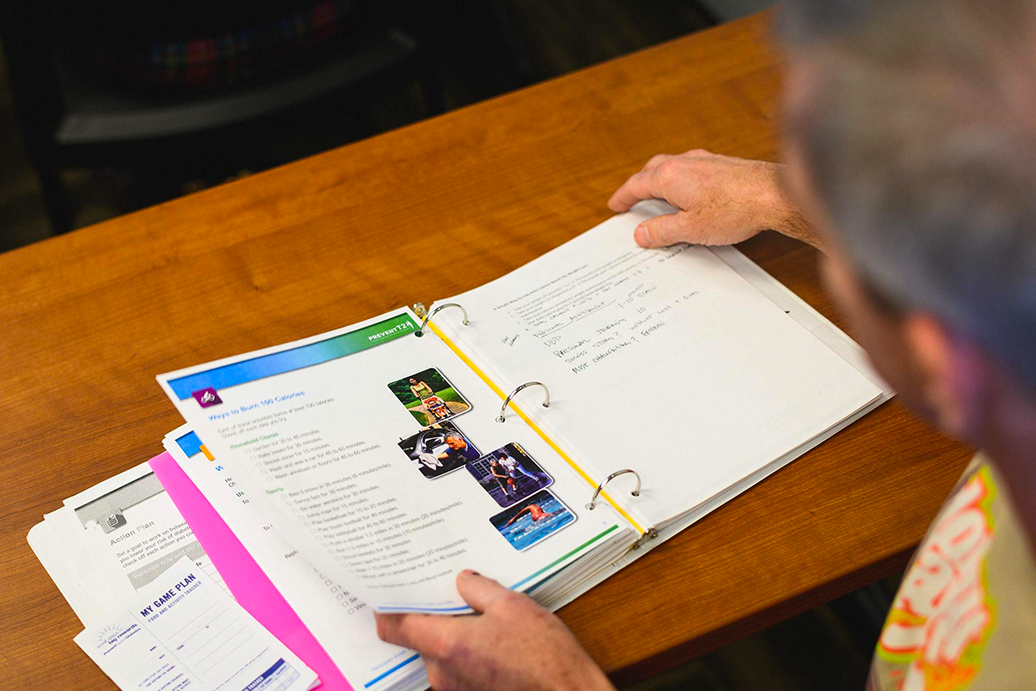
(109, 107)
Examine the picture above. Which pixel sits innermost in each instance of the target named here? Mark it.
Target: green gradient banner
(295, 358)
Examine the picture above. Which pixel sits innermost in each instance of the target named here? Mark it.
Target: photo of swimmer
(439, 450)
(532, 520)
(509, 474)
(429, 397)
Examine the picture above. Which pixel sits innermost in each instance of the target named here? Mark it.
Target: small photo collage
(509, 475)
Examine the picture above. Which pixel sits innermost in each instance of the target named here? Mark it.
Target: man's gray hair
(920, 139)
(805, 22)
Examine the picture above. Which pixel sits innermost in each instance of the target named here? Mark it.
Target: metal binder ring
(600, 488)
(546, 397)
(424, 323)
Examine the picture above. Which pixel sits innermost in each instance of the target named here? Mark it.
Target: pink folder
(242, 574)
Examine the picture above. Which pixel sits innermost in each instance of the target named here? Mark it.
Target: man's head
(912, 142)
(455, 442)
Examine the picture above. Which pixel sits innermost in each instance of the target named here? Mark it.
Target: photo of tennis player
(532, 520)
(509, 474)
(429, 397)
(439, 450)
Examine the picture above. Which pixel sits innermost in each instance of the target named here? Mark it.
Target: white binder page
(121, 534)
(664, 361)
(372, 450)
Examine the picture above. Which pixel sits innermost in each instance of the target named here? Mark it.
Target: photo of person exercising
(440, 449)
(429, 397)
(512, 466)
(535, 512)
(509, 474)
(501, 477)
(532, 519)
(420, 390)
(458, 451)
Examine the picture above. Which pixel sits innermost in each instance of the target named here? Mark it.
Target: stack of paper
(157, 612)
(361, 469)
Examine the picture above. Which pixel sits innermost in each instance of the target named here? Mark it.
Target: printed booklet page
(377, 454)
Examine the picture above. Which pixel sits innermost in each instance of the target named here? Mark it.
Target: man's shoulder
(962, 618)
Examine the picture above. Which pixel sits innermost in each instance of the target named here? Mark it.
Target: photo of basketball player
(509, 474)
(439, 450)
(532, 520)
(429, 397)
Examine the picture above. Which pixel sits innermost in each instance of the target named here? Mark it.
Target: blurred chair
(726, 10)
(193, 85)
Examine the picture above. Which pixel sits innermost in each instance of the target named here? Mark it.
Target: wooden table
(90, 318)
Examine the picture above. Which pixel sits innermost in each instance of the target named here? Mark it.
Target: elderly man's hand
(721, 200)
(512, 643)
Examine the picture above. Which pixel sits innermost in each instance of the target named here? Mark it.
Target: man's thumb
(660, 231)
(479, 591)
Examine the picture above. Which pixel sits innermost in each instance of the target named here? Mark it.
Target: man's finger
(479, 591)
(656, 161)
(660, 231)
(424, 633)
(643, 185)
(391, 628)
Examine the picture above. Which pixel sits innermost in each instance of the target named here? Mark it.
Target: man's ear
(954, 374)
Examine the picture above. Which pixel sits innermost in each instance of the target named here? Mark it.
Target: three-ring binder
(436, 310)
(517, 389)
(426, 316)
(601, 485)
(649, 534)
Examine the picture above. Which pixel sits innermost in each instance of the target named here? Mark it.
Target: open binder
(648, 387)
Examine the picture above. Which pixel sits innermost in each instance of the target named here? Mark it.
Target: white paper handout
(123, 533)
(182, 631)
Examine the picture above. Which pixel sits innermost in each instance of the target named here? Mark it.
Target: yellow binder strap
(536, 428)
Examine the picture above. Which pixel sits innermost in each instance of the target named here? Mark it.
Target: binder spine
(651, 534)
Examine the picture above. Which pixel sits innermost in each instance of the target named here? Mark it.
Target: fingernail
(640, 235)
(472, 573)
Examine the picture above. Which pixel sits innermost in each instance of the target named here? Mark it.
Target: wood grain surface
(90, 318)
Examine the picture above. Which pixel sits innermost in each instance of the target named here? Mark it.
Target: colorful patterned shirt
(965, 614)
